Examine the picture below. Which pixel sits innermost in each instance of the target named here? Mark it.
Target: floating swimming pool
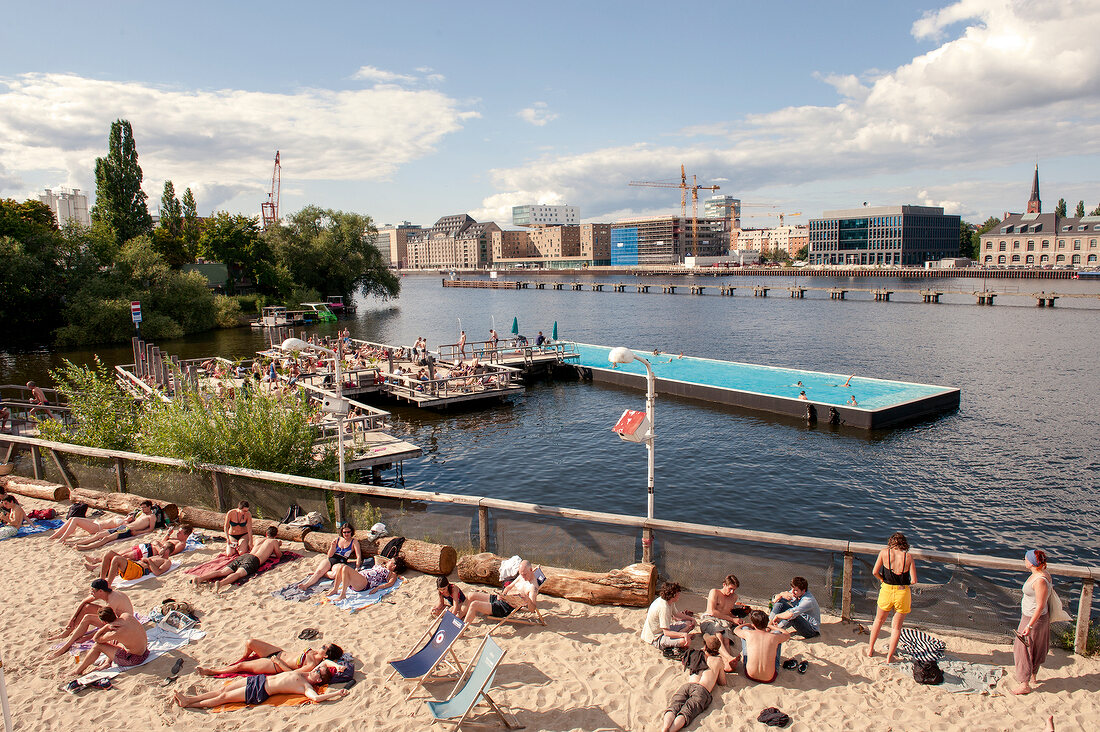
(879, 402)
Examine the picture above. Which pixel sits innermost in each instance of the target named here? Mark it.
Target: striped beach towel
(919, 646)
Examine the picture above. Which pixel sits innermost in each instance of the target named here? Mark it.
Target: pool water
(820, 388)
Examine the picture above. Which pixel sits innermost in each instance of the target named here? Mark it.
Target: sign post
(135, 313)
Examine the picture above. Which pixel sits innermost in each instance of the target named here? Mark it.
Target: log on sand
(201, 518)
(418, 555)
(633, 586)
(32, 488)
(119, 502)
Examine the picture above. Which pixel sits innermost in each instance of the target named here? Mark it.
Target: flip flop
(790, 664)
(803, 666)
(175, 673)
(310, 634)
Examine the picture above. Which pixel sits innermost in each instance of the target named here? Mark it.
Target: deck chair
(424, 664)
(473, 689)
(521, 615)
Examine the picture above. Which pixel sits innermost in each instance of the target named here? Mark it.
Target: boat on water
(337, 305)
(276, 316)
(1088, 274)
(321, 310)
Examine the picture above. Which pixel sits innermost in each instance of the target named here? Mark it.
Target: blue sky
(421, 110)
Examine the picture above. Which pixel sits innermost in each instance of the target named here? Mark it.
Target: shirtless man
(86, 615)
(719, 619)
(122, 640)
(70, 527)
(264, 658)
(174, 542)
(256, 689)
(462, 344)
(13, 516)
(245, 565)
(693, 698)
(522, 591)
(760, 648)
(128, 569)
(131, 526)
(38, 397)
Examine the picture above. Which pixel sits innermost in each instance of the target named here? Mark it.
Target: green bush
(227, 311)
(1066, 637)
(105, 415)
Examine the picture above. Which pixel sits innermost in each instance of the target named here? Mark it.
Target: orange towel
(276, 700)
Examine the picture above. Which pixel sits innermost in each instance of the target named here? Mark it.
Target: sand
(587, 671)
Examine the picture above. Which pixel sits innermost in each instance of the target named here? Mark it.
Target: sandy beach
(588, 670)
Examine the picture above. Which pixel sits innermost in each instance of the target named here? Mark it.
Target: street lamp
(341, 407)
(622, 355)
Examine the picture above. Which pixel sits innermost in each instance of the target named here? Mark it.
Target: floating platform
(880, 403)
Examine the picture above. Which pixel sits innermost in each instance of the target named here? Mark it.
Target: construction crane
(684, 188)
(269, 209)
(781, 216)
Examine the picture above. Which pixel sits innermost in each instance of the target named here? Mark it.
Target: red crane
(269, 209)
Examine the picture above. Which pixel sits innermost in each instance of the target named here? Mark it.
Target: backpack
(393, 547)
(292, 513)
(927, 672)
(161, 519)
(77, 510)
(347, 670)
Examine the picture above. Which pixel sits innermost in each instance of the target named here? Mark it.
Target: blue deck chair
(473, 689)
(423, 664)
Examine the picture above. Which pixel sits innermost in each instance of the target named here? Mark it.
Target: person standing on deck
(462, 345)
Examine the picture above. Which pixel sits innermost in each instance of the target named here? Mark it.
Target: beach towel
(962, 677)
(278, 700)
(37, 526)
(291, 593)
(161, 641)
(920, 646)
(81, 647)
(221, 560)
(359, 600)
(120, 584)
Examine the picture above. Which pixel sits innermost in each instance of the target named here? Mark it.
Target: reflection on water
(1015, 466)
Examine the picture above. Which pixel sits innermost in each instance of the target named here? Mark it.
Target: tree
(171, 213)
(30, 270)
(1080, 209)
(802, 254)
(191, 225)
(1095, 211)
(968, 244)
(120, 201)
(1060, 209)
(988, 225)
(235, 241)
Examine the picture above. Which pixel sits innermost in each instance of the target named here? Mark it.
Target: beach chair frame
(525, 616)
(481, 697)
(456, 665)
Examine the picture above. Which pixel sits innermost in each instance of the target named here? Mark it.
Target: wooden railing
(849, 549)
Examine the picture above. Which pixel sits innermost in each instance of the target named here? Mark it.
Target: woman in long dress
(1033, 636)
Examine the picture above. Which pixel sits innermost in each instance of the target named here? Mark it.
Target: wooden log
(632, 586)
(215, 521)
(32, 488)
(119, 502)
(418, 555)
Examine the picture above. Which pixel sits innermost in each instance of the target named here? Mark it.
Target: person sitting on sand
(797, 609)
(665, 626)
(13, 517)
(719, 618)
(245, 565)
(238, 530)
(122, 640)
(174, 542)
(761, 645)
(450, 595)
(256, 689)
(522, 591)
(86, 616)
(382, 575)
(340, 551)
(263, 658)
(692, 699)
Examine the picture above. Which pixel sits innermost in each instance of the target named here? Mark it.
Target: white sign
(135, 311)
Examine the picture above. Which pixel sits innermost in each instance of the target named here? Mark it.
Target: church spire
(1034, 205)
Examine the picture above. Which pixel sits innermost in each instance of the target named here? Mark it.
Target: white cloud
(370, 73)
(221, 142)
(1015, 80)
(537, 114)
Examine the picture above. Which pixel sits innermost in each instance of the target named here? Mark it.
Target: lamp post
(297, 344)
(622, 355)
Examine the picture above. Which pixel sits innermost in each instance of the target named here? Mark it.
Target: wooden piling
(1084, 615)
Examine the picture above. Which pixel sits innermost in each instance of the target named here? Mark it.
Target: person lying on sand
(382, 575)
(693, 698)
(86, 616)
(522, 591)
(122, 640)
(128, 569)
(174, 542)
(111, 529)
(256, 689)
(261, 657)
(245, 565)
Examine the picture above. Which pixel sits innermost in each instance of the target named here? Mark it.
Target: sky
(413, 111)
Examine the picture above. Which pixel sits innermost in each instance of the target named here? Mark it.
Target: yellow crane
(684, 188)
(781, 216)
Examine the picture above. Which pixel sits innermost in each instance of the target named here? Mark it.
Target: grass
(1064, 638)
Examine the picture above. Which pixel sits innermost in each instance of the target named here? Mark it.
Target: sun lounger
(473, 689)
(522, 615)
(423, 664)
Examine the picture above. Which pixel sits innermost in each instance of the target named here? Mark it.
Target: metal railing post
(846, 591)
(1084, 615)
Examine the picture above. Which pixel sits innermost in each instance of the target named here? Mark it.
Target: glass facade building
(884, 235)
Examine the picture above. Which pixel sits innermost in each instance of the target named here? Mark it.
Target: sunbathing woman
(450, 595)
(14, 517)
(136, 524)
(340, 551)
(382, 575)
(69, 528)
(264, 658)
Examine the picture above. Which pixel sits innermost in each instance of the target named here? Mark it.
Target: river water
(1017, 465)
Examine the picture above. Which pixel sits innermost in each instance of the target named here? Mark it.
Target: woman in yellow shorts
(895, 569)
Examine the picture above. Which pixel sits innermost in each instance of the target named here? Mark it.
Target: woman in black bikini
(238, 530)
(340, 551)
(450, 595)
(894, 568)
(264, 658)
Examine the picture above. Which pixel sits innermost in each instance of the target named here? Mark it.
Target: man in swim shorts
(135, 525)
(523, 591)
(693, 698)
(130, 570)
(245, 565)
(122, 640)
(174, 542)
(761, 645)
(257, 689)
(86, 616)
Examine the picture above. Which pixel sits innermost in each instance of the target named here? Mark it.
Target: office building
(67, 204)
(665, 240)
(533, 215)
(554, 247)
(723, 207)
(884, 235)
(393, 242)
